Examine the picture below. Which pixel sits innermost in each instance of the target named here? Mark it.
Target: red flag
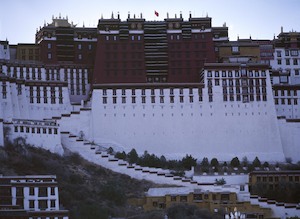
(156, 13)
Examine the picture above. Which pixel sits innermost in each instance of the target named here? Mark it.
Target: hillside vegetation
(87, 190)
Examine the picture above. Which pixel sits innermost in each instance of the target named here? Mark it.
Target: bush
(235, 162)
(256, 162)
(188, 162)
(132, 156)
(220, 181)
(214, 162)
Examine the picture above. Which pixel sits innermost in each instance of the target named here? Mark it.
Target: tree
(256, 162)
(188, 161)
(205, 165)
(245, 161)
(205, 162)
(120, 155)
(214, 162)
(266, 164)
(132, 156)
(220, 181)
(235, 162)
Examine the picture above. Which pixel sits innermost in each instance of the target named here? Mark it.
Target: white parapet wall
(290, 136)
(43, 134)
(1, 133)
(210, 129)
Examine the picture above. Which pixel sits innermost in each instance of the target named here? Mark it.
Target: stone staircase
(99, 155)
(283, 210)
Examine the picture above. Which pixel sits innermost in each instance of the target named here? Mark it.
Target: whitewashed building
(30, 197)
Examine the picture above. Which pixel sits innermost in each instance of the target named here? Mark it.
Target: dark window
(43, 204)
(43, 192)
(197, 197)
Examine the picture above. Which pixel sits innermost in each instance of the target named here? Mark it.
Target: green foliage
(185, 211)
(266, 164)
(256, 162)
(121, 155)
(245, 161)
(235, 162)
(188, 161)
(87, 190)
(132, 156)
(205, 162)
(113, 192)
(220, 181)
(214, 162)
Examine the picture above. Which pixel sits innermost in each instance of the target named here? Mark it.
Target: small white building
(33, 196)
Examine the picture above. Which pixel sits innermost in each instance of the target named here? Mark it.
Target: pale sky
(262, 19)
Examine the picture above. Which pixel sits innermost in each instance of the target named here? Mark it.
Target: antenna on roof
(190, 14)
(175, 15)
(101, 16)
(118, 15)
(128, 14)
(141, 15)
(180, 14)
(167, 14)
(112, 15)
(59, 16)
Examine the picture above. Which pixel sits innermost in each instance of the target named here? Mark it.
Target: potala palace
(171, 87)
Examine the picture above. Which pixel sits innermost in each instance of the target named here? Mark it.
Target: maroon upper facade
(63, 43)
(140, 51)
(135, 50)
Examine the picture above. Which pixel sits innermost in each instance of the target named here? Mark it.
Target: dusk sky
(262, 19)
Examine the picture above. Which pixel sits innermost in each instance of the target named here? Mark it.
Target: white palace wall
(1, 131)
(290, 137)
(39, 133)
(200, 128)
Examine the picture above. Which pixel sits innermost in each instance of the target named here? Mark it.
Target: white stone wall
(290, 137)
(37, 133)
(1, 133)
(201, 128)
(284, 61)
(287, 102)
(4, 51)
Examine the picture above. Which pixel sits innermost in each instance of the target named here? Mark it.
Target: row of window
(236, 73)
(37, 130)
(238, 82)
(191, 114)
(287, 101)
(293, 52)
(277, 178)
(288, 62)
(42, 204)
(244, 98)
(288, 92)
(49, 56)
(79, 46)
(153, 99)
(45, 94)
(245, 90)
(143, 91)
(117, 37)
